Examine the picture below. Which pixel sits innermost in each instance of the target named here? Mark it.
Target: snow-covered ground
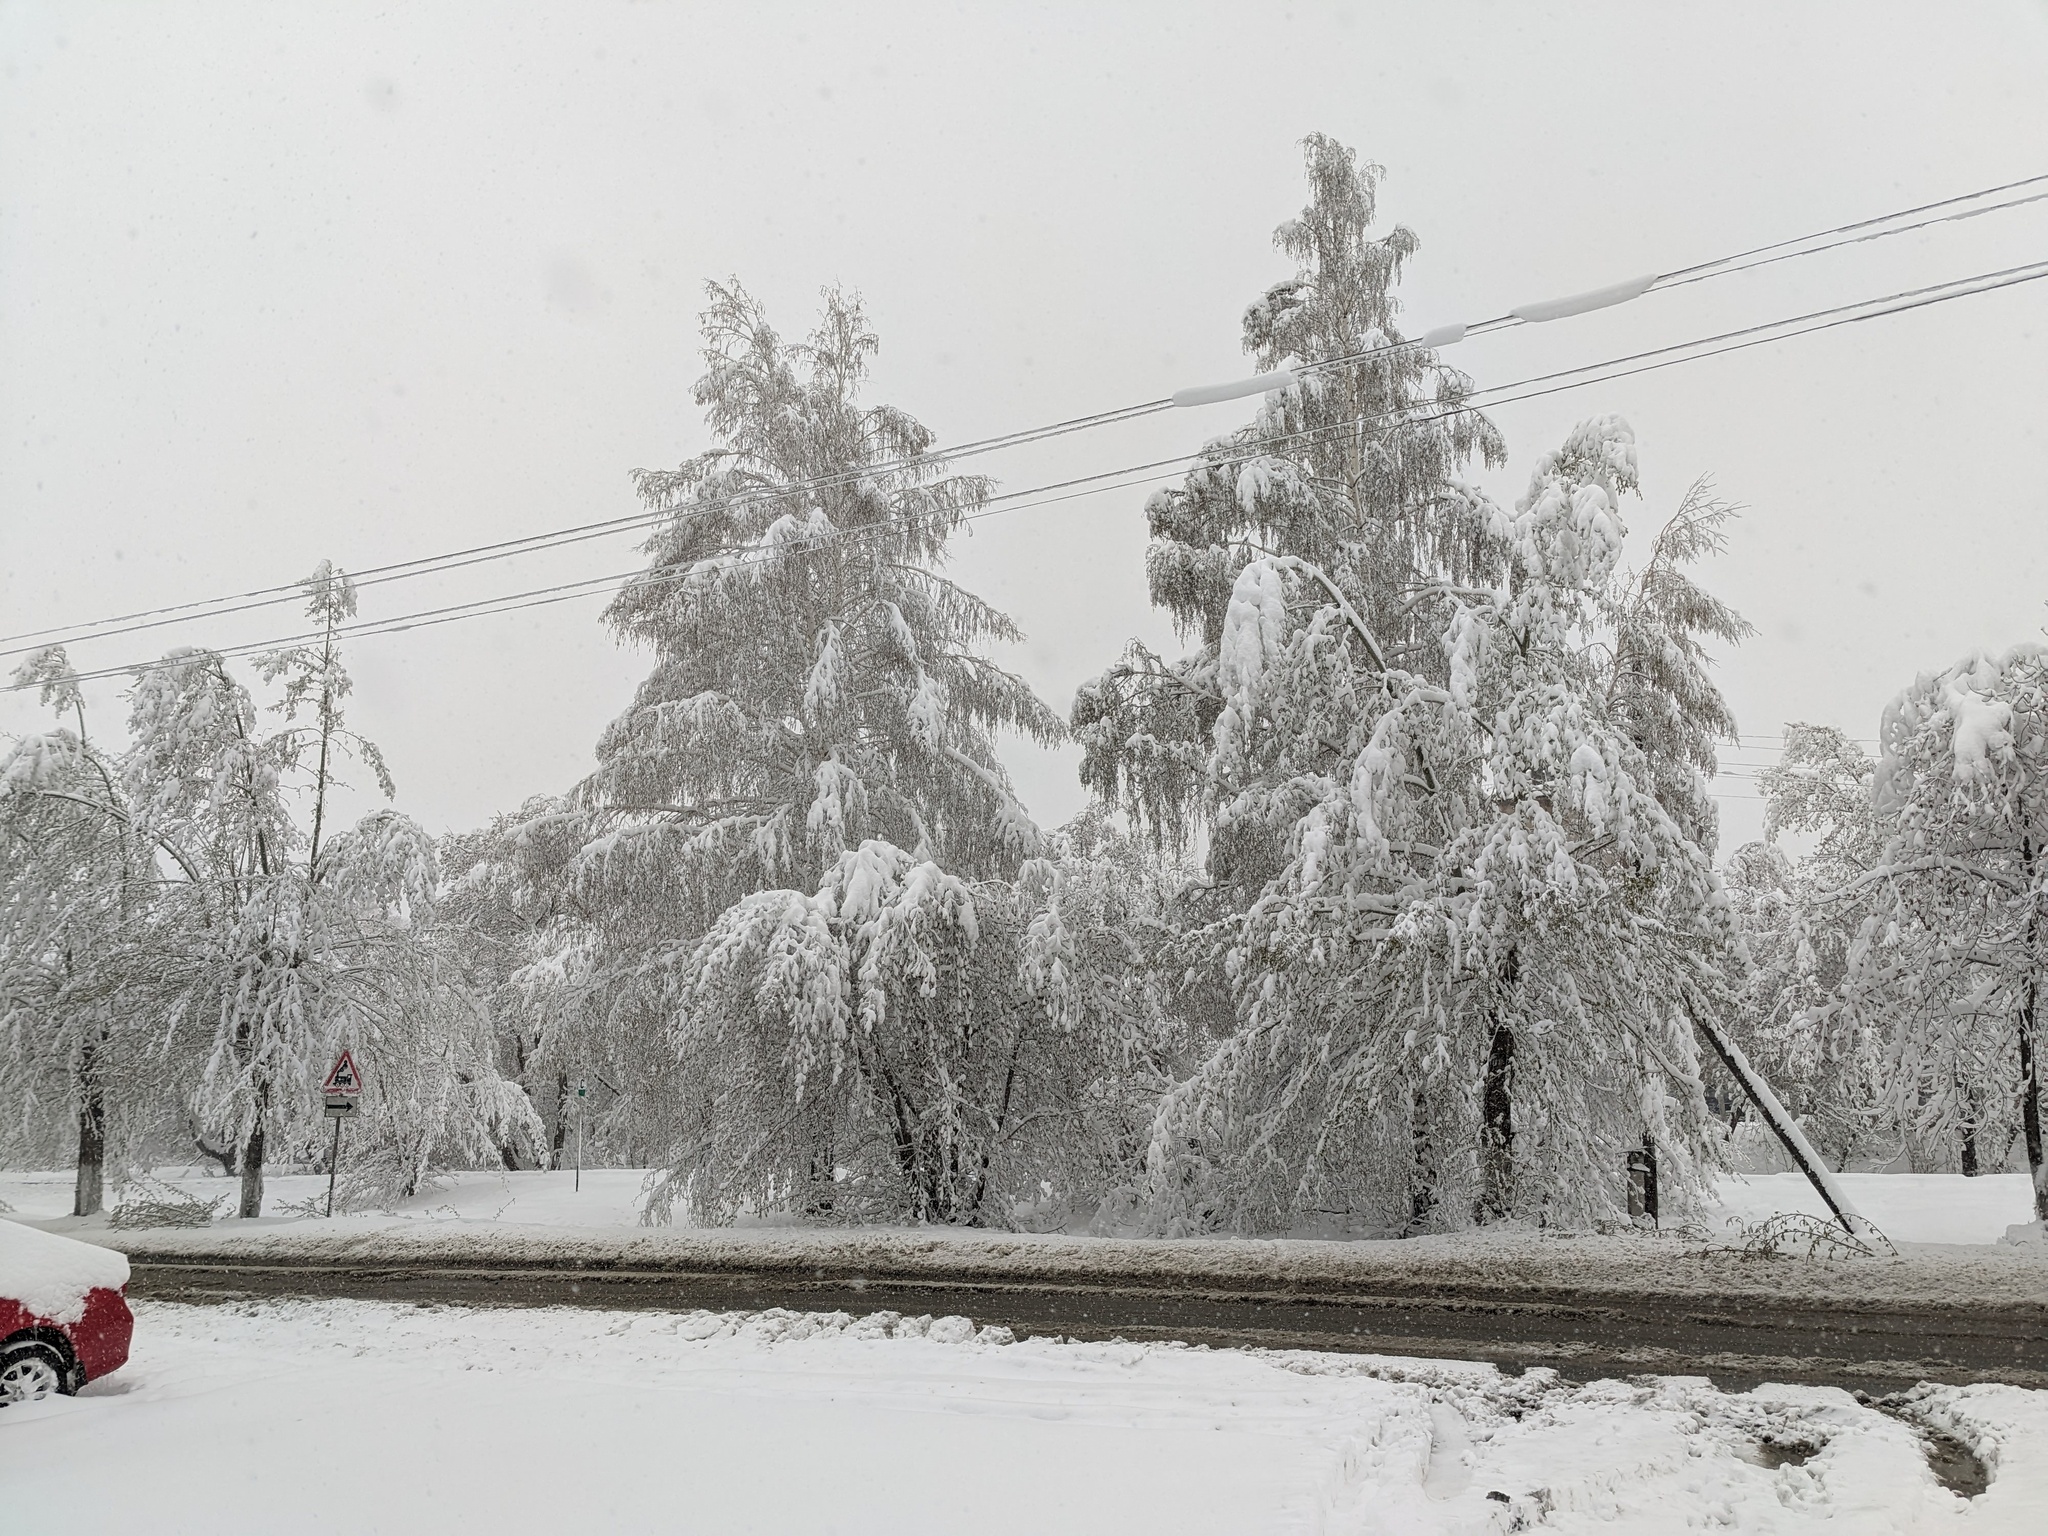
(1909, 1208)
(610, 1197)
(319, 1415)
(360, 1416)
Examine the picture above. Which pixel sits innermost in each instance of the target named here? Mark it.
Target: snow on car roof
(50, 1275)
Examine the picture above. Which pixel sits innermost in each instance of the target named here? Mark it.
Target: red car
(64, 1317)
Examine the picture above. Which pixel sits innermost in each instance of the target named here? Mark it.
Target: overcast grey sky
(280, 283)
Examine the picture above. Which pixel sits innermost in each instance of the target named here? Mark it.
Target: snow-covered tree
(907, 1043)
(272, 945)
(434, 1096)
(76, 883)
(1471, 985)
(818, 683)
(1954, 953)
(524, 939)
(186, 940)
(1658, 620)
(241, 948)
(1353, 469)
(1799, 918)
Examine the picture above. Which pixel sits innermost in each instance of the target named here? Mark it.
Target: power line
(453, 560)
(1777, 736)
(1857, 233)
(1813, 243)
(512, 602)
(1552, 383)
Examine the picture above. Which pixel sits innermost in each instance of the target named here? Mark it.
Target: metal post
(579, 1138)
(333, 1162)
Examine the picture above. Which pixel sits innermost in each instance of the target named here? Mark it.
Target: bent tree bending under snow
(187, 942)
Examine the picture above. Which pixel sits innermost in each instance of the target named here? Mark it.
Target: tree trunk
(2030, 1061)
(561, 1119)
(89, 1193)
(2030, 1103)
(1496, 1106)
(1497, 1126)
(225, 1156)
(1973, 1116)
(988, 1152)
(819, 1188)
(1421, 1163)
(252, 1168)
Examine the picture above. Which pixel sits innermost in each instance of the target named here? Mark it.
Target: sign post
(343, 1083)
(579, 1137)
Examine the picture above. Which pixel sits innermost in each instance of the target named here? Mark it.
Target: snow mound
(777, 1325)
(2027, 1234)
(50, 1275)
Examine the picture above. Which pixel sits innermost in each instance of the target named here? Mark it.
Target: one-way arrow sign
(344, 1078)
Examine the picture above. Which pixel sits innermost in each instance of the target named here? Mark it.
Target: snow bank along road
(316, 1416)
(1587, 1306)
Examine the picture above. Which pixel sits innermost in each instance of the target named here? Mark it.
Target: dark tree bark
(1496, 1106)
(225, 1156)
(561, 1118)
(2030, 1060)
(2030, 1101)
(252, 1167)
(89, 1193)
(1422, 1164)
(1497, 1126)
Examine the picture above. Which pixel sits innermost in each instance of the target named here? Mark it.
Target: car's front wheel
(30, 1370)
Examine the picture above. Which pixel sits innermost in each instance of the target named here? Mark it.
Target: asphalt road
(1737, 1344)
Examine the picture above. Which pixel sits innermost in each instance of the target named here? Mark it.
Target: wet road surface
(1737, 1344)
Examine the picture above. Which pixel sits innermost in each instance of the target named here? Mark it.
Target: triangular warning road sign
(344, 1078)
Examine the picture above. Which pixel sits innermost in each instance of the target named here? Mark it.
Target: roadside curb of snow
(1527, 1265)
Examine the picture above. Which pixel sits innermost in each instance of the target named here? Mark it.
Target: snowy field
(360, 1416)
(1909, 1208)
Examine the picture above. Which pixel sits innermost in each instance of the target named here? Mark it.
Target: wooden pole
(1788, 1132)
